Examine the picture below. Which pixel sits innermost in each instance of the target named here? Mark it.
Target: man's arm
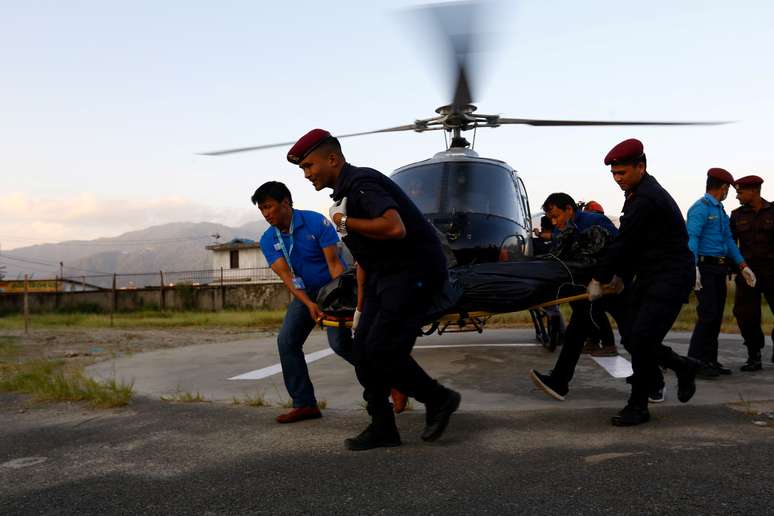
(627, 244)
(335, 267)
(389, 226)
(280, 267)
(360, 274)
(694, 223)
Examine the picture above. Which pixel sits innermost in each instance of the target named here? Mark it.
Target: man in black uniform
(752, 225)
(652, 248)
(404, 265)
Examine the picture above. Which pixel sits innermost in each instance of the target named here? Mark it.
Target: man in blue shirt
(713, 247)
(300, 246)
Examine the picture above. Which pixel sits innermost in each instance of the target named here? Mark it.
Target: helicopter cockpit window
(467, 187)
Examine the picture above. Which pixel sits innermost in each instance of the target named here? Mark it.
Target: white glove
(338, 207)
(356, 319)
(698, 280)
(616, 284)
(749, 277)
(594, 290)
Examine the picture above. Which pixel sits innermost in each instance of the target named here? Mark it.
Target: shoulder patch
(326, 222)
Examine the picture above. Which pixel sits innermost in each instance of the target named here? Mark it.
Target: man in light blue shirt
(301, 247)
(713, 247)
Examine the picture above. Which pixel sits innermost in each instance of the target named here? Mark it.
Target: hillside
(176, 246)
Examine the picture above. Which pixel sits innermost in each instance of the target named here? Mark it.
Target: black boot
(437, 414)
(381, 433)
(753, 361)
(631, 415)
(686, 377)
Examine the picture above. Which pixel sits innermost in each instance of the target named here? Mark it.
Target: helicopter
(479, 205)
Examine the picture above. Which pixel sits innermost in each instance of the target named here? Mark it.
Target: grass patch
(257, 400)
(184, 397)
(52, 380)
(151, 319)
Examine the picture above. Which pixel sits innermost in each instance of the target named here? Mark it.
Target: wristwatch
(341, 227)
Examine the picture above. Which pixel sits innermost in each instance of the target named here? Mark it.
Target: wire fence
(169, 279)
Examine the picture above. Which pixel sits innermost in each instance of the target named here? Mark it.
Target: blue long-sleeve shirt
(709, 232)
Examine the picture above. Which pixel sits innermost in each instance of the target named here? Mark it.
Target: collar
(342, 182)
(629, 193)
(298, 221)
(764, 206)
(711, 199)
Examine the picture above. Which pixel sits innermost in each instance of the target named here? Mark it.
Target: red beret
(306, 144)
(748, 181)
(721, 174)
(594, 206)
(625, 152)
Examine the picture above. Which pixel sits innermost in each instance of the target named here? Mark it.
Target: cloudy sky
(104, 105)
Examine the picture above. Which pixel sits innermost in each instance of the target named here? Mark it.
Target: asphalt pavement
(510, 449)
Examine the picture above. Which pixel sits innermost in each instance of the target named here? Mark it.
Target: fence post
(83, 283)
(26, 305)
(161, 291)
(113, 301)
(222, 291)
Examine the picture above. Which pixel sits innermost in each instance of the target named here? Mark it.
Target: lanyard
(286, 252)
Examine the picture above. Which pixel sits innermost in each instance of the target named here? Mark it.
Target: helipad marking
(259, 374)
(618, 367)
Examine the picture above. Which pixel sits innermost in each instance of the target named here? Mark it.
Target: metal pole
(113, 301)
(26, 305)
(161, 290)
(222, 291)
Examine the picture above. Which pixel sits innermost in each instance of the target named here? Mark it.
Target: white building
(242, 261)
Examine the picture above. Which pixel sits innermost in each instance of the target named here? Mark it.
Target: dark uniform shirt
(755, 234)
(652, 243)
(369, 194)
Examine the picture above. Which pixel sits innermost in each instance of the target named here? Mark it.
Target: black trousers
(747, 310)
(584, 320)
(649, 318)
(601, 329)
(393, 309)
(712, 301)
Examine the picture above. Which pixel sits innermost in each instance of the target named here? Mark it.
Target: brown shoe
(399, 401)
(605, 351)
(299, 414)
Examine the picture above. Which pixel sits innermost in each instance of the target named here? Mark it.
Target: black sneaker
(657, 395)
(753, 362)
(631, 416)
(548, 385)
(437, 417)
(720, 368)
(374, 437)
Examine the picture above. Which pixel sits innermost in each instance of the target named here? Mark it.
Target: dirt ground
(93, 345)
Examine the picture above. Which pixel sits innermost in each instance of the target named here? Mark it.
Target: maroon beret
(306, 144)
(748, 181)
(721, 175)
(625, 152)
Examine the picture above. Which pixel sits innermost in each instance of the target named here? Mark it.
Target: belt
(714, 260)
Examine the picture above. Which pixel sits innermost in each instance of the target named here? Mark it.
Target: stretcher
(476, 319)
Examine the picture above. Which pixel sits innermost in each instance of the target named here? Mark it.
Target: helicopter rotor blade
(555, 123)
(411, 127)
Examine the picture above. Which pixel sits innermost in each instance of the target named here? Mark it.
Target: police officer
(300, 246)
(652, 248)
(752, 225)
(714, 249)
(401, 256)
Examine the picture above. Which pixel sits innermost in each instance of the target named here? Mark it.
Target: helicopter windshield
(461, 186)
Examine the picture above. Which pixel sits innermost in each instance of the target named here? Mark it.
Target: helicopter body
(479, 205)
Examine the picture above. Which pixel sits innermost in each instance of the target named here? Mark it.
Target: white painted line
(259, 374)
(618, 367)
(277, 368)
(440, 346)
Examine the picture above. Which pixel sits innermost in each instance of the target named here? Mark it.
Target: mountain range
(177, 246)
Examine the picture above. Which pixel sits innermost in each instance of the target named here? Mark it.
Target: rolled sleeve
(267, 248)
(326, 234)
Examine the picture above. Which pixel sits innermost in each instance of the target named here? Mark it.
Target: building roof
(234, 244)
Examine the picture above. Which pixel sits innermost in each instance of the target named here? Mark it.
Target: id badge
(298, 283)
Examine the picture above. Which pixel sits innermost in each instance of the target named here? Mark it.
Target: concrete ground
(509, 450)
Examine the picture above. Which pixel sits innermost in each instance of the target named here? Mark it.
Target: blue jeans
(296, 327)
